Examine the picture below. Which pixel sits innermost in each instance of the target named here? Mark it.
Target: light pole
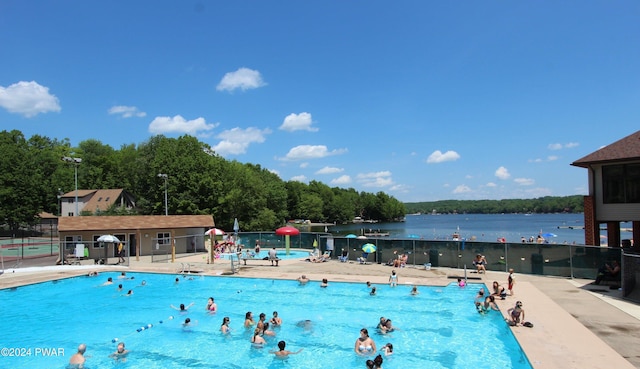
(166, 206)
(75, 162)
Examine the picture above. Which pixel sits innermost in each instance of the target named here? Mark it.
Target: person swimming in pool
(303, 279)
(182, 309)
(211, 306)
(364, 345)
(224, 328)
(248, 319)
(282, 353)
(78, 359)
(108, 282)
(257, 339)
(275, 320)
(121, 353)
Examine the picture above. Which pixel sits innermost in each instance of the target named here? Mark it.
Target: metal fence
(631, 276)
(14, 250)
(529, 258)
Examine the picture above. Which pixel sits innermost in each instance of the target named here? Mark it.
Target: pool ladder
(185, 268)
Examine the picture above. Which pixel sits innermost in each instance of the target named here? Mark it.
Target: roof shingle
(625, 149)
(133, 222)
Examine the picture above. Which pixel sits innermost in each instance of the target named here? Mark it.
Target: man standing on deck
(273, 256)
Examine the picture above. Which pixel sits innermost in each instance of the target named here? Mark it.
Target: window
(96, 244)
(164, 238)
(99, 199)
(621, 184)
(107, 199)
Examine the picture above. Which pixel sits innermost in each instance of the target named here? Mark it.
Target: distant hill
(547, 204)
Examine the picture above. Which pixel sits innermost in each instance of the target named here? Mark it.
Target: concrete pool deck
(576, 324)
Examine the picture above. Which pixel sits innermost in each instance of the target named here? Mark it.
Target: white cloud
(300, 178)
(549, 158)
(329, 170)
(342, 180)
(304, 165)
(28, 99)
(524, 181)
(243, 78)
(298, 122)
(461, 189)
(438, 157)
(236, 141)
(399, 188)
(161, 125)
(491, 184)
(274, 172)
(127, 111)
(502, 173)
(375, 179)
(559, 146)
(304, 152)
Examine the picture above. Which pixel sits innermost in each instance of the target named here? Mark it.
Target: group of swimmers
(78, 359)
(122, 276)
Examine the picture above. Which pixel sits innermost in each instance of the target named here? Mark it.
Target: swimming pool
(439, 328)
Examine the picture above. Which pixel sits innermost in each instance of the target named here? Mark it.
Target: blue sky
(424, 100)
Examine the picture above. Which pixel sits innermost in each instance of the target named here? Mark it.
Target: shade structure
(369, 248)
(214, 232)
(108, 238)
(350, 235)
(286, 232)
(549, 235)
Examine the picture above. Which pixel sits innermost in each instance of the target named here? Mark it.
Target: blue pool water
(439, 328)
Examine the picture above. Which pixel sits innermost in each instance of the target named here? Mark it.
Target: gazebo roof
(625, 149)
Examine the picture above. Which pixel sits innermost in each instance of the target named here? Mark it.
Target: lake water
(484, 227)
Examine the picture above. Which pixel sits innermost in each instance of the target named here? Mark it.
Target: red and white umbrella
(214, 231)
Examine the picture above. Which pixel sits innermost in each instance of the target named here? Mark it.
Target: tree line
(32, 176)
(547, 204)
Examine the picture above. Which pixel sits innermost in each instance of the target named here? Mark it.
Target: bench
(245, 259)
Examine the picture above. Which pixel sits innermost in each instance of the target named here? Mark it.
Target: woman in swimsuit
(393, 279)
(248, 319)
(498, 290)
(211, 306)
(257, 339)
(224, 328)
(364, 344)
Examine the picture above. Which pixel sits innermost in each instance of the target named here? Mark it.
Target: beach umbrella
(350, 235)
(549, 235)
(369, 248)
(413, 236)
(108, 238)
(362, 237)
(286, 232)
(214, 232)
